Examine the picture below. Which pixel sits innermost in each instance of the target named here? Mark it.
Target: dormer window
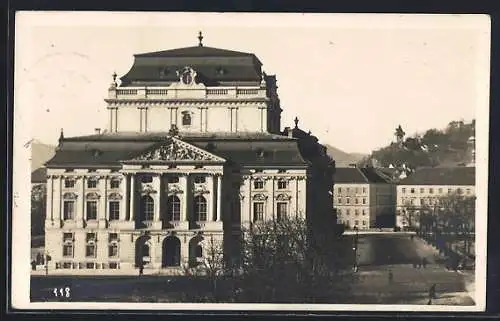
(186, 118)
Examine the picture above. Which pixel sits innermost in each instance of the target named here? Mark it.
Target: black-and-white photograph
(246, 161)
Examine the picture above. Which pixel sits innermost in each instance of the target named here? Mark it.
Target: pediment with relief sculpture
(176, 150)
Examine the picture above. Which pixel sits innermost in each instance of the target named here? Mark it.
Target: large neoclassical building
(193, 152)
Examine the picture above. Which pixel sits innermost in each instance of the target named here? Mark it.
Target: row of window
(87, 265)
(348, 200)
(259, 211)
(91, 183)
(90, 245)
(92, 212)
(356, 223)
(348, 212)
(439, 190)
(259, 184)
(357, 190)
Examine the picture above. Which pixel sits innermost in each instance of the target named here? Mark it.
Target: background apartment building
(363, 197)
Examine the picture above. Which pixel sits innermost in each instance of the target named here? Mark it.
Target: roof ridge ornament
(200, 39)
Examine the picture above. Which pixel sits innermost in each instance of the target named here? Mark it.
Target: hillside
(343, 159)
(436, 147)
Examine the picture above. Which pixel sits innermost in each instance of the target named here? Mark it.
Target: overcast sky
(350, 79)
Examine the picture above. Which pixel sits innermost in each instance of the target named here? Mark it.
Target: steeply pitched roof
(245, 149)
(39, 176)
(442, 176)
(346, 175)
(214, 66)
(195, 51)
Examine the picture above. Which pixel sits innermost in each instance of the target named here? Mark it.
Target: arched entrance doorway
(195, 251)
(142, 251)
(171, 255)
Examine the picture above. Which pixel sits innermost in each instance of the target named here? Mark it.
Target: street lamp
(355, 249)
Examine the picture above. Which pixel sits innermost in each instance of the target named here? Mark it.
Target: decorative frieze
(260, 197)
(92, 196)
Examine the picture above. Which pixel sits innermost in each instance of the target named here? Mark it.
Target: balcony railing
(166, 93)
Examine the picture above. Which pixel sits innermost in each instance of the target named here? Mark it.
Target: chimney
(97, 131)
(288, 132)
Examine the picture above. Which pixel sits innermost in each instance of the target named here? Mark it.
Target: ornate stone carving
(242, 197)
(200, 189)
(177, 150)
(147, 189)
(283, 197)
(174, 189)
(93, 196)
(70, 196)
(115, 196)
(259, 197)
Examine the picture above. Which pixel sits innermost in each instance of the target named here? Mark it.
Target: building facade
(193, 155)
(363, 197)
(427, 186)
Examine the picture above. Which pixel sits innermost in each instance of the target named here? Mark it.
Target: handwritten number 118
(62, 292)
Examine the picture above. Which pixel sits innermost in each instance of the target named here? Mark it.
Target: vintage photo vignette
(23, 121)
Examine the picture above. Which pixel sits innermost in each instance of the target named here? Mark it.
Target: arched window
(173, 208)
(198, 251)
(200, 208)
(147, 208)
(186, 119)
(258, 184)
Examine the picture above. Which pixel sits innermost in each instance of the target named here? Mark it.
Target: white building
(426, 186)
(193, 152)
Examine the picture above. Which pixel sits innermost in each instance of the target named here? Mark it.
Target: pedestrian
(424, 262)
(38, 259)
(141, 269)
(33, 265)
(391, 276)
(411, 237)
(432, 292)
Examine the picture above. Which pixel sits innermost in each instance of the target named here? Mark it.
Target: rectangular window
(356, 212)
(113, 237)
(68, 250)
(431, 191)
(440, 191)
(113, 250)
(173, 179)
(449, 191)
(258, 184)
(91, 210)
(468, 191)
(282, 184)
(115, 183)
(89, 265)
(67, 237)
(199, 179)
(364, 200)
(347, 212)
(258, 211)
(357, 190)
(339, 200)
(69, 183)
(340, 190)
(422, 201)
(281, 210)
(364, 190)
(356, 201)
(92, 183)
(91, 237)
(348, 189)
(347, 200)
(412, 191)
(403, 190)
(113, 265)
(459, 191)
(422, 190)
(356, 223)
(67, 265)
(364, 223)
(90, 250)
(69, 210)
(114, 210)
(363, 212)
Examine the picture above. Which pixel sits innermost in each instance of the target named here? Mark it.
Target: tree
(38, 209)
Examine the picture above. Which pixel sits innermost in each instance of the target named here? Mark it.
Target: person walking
(141, 269)
(391, 277)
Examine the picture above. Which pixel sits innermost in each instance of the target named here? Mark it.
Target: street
(384, 254)
(377, 256)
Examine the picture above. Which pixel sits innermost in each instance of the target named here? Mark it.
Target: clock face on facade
(187, 78)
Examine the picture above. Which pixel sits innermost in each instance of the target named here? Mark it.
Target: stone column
(132, 198)
(80, 213)
(58, 202)
(249, 182)
(157, 184)
(183, 179)
(102, 214)
(219, 190)
(211, 201)
(125, 199)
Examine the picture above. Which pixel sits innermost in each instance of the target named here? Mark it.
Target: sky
(351, 79)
